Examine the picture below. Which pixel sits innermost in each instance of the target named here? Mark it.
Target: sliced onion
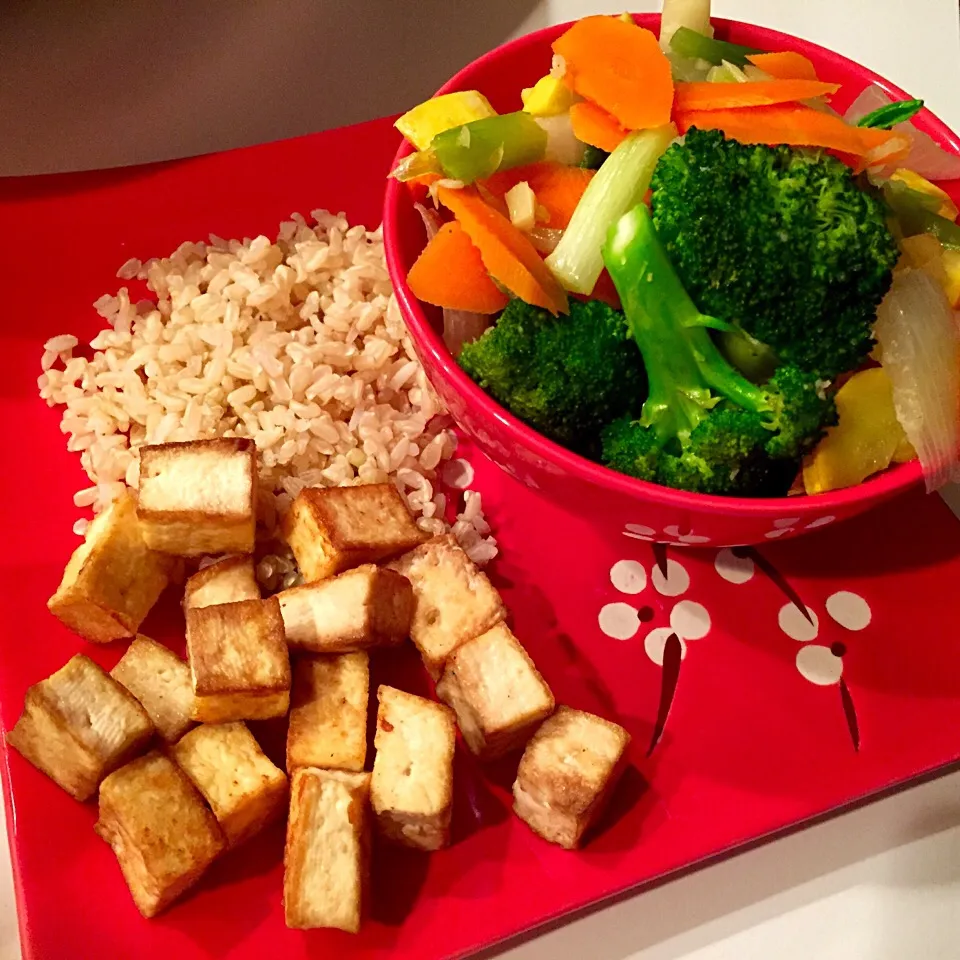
(920, 346)
(925, 157)
(459, 326)
(562, 145)
(545, 239)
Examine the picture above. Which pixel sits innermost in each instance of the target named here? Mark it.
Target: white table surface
(882, 883)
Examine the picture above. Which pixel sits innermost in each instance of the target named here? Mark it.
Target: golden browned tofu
(454, 601)
(161, 831)
(244, 789)
(112, 579)
(328, 712)
(496, 692)
(239, 661)
(160, 680)
(226, 581)
(331, 529)
(199, 497)
(78, 725)
(361, 608)
(412, 786)
(326, 860)
(567, 774)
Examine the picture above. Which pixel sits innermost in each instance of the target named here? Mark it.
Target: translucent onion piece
(920, 345)
(562, 146)
(925, 157)
(459, 326)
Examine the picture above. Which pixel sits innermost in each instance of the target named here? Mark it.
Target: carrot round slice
(621, 68)
(792, 124)
(593, 125)
(761, 93)
(558, 188)
(508, 255)
(450, 273)
(787, 65)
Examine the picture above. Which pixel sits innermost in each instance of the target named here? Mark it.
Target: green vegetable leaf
(688, 43)
(885, 118)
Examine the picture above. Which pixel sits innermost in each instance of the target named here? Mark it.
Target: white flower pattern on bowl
(670, 534)
(789, 525)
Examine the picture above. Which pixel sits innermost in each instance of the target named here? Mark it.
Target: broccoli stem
(618, 185)
(687, 373)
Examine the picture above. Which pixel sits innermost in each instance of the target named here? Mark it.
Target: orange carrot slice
(792, 124)
(593, 125)
(450, 273)
(510, 258)
(787, 65)
(620, 67)
(558, 188)
(761, 93)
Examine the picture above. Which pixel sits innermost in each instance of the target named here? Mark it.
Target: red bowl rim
(895, 480)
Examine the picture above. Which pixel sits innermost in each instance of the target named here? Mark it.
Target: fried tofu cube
(326, 860)
(360, 608)
(496, 692)
(239, 662)
(226, 581)
(199, 497)
(412, 786)
(332, 529)
(113, 578)
(328, 712)
(161, 831)
(454, 601)
(567, 774)
(78, 725)
(243, 788)
(160, 680)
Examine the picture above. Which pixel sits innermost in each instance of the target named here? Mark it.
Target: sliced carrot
(510, 258)
(787, 65)
(760, 93)
(792, 124)
(450, 273)
(558, 188)
(620, 67)
(593, 125)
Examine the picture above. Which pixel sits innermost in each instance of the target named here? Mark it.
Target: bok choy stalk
(618, 186)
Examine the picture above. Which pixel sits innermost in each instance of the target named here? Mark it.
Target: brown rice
(297, 343)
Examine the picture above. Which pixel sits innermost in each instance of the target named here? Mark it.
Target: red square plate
(776, 718)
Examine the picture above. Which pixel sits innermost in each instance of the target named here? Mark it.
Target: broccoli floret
(779, 241)
(567, 377)
(704, 426)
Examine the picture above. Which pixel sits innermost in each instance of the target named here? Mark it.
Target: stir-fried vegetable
(786, 65)
(594, 126)
(619, 67)
(886, 118)
(867, 439)
(617, 186)
(917, 213)
(721, 96)
(792, 124)
(507, 254)
(548, 97)
(704, 426)
(783, 243)
(689, 14)
(421, 124)
(751, 290)
(918, 338)
(450, 273)
(558, 188)
(696, 46)
(482, 147)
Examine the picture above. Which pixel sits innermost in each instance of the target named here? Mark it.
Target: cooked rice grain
(297, 343)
